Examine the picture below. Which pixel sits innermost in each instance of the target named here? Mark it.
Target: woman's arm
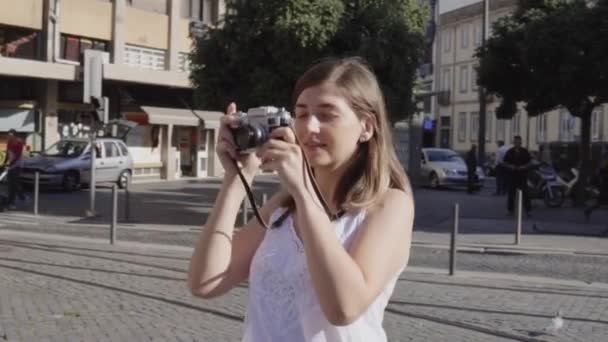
(347, 282)
(221, 258)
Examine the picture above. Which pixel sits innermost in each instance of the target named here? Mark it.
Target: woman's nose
(311, 124)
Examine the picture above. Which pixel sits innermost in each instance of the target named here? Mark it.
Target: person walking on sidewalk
(517, 162)
(13, 161)
(499, 169)
(314, 275)
(471, 161)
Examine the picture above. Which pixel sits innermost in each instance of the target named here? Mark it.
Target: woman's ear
(367, 128)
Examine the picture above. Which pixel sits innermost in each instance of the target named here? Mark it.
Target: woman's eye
(301, 115)
(325, 116)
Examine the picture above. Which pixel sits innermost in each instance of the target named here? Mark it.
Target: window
(200, 10)
(474, 78)
(72, 48)
(111, 149)
(566, 125)
(158, 6)
(462, 126)
(19, 43)
(183, 62)
(447, 40)
(500, 130)
(541, 127)
(489, 116)
(192, 9)
(123, 149)
(446, 82)
(144, 58)
(464, 78)
(596, 123)
(464, 36)
(477, 35)
(474, 126)
(516, 123)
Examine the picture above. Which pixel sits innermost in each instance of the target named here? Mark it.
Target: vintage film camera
(254, 127)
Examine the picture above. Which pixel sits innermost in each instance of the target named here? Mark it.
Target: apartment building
(457, 106)
(145, 76)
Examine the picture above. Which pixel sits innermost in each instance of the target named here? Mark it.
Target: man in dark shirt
(471, 161)
(13, 160)
(517, 162)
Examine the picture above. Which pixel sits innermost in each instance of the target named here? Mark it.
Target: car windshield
(443, 156)
(66, 148)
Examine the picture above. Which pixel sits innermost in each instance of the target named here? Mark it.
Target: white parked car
(68, 163)
(444, 167)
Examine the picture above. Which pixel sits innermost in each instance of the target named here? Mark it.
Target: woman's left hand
(281, 153)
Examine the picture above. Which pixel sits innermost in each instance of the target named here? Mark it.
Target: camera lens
(249, 137)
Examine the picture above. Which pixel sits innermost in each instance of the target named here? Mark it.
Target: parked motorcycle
(542, 184)
(569, 180)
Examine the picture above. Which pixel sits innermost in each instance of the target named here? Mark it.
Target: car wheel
(71, 181)
(124, 179)
(434, 181)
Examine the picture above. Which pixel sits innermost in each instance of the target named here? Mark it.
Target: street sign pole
(92, 93)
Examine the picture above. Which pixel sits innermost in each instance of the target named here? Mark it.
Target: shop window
(19, 43)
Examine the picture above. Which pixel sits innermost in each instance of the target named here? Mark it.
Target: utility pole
(481, 139)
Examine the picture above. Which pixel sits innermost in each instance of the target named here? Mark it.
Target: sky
(448, 5)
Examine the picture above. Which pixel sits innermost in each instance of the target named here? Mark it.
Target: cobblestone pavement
(55, 290)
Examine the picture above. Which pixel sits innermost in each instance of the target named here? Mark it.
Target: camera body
(254, 127)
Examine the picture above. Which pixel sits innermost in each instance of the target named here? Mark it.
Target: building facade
(456, 108)
(145, 44)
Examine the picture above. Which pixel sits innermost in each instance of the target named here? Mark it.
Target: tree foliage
(260, 49)
(549, 54)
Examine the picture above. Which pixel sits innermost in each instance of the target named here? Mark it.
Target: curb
(507, 249)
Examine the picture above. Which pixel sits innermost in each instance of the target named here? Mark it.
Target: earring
(362, 138)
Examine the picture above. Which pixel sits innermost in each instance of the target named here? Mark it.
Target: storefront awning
(181, 117)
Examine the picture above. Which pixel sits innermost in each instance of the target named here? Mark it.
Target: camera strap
(315, 186)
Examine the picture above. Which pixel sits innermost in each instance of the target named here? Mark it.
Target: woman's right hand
(226, 149)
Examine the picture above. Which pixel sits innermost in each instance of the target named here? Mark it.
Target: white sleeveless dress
(283, 305)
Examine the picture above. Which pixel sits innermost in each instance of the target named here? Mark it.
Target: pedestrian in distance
(14, 163)
(499, 169)
(471, 161)
(601, 181)
(314, 276)
(517, 162)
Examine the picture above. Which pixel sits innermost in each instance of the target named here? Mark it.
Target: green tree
(549, 54)
(260, 49)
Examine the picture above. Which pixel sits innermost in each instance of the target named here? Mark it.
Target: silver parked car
(67, 164)
(444, 167)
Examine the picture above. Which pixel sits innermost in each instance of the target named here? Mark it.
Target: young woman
(312, 277)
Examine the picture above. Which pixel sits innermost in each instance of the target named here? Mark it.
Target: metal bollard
(127, 203)
(264, 198)
(453, 239)
(114, 214)
(36, 191)
(245, 212)
(519, 217)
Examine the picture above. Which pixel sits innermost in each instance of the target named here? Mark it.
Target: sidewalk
(53, 290)
(531, 242)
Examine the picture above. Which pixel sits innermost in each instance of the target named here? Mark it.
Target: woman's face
(326, 127)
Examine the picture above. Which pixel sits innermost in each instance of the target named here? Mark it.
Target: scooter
(542, 183)
(568, 180)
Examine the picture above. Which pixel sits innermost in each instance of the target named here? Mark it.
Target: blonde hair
(374, 167)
